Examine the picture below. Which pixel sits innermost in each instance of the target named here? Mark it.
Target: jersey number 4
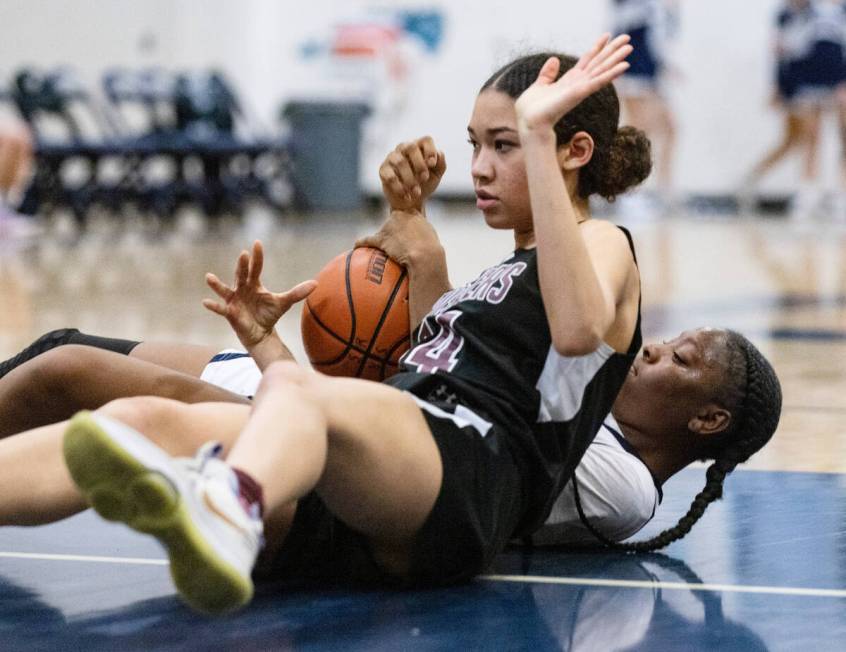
(438, 351)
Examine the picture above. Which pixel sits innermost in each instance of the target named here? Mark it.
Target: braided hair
(621, 156)
(752, 394)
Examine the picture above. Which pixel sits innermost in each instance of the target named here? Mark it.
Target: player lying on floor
(413, 488)
(705, 394)
(684, 400)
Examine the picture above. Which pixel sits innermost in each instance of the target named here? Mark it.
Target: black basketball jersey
(487, 345)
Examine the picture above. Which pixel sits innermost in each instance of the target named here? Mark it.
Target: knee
(301, 388)
(143, 413)
(55, 370)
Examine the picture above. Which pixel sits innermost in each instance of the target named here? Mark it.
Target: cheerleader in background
(820, 74)
(651, 24)
(794, 24)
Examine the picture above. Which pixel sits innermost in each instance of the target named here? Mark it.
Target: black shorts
(479, 504)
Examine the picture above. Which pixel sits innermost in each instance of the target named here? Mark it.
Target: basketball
(356, 323)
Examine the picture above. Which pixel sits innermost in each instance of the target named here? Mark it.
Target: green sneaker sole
(123, 485)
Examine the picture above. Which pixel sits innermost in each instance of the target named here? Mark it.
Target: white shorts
(811, 97)
(233, 370)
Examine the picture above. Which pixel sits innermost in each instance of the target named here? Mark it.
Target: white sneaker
(190, 505)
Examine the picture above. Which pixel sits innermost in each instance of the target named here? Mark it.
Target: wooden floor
(782, 284)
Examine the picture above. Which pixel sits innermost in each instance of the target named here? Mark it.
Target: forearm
(409, 238)
(572, 295)
(428, 279)
(269, 350)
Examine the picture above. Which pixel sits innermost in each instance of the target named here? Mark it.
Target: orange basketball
(355, 323)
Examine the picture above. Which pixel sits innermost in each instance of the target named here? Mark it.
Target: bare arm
(580, 299)
(408, 238)
(409, 175)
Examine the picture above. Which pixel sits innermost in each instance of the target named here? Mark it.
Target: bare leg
(841, 123)
(668, 149)
(364, 447)
(188, 358)
(14, 158)
(811, 133)
(651, 113)
(55, 385)
(791, 137)
(35, 486)
(636, 112)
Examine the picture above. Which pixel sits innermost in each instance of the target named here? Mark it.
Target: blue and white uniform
(822, 43)
(650, 24)
(618, 493)
(233, 370)
(793, 39)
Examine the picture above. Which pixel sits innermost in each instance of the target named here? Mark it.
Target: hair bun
(629, 162)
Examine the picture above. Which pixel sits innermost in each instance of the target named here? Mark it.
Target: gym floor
(765, 568)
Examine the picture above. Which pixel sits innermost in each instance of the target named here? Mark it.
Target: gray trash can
(325, 149)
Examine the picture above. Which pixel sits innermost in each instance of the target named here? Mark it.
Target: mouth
(485, 200)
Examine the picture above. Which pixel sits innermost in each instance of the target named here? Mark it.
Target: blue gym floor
(764, 570)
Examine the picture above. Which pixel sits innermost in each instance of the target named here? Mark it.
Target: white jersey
(618, 494)
(233, 370)
(617, 491)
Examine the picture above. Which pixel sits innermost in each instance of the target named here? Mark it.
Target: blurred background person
(820, 73)
(839, 208)
(791, 40)
(642, 89)
(15, 170)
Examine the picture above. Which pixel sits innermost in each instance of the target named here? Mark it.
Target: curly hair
(621, 156)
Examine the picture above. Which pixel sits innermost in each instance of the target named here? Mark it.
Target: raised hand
(547, 100)
(411, 172)
(251, 309)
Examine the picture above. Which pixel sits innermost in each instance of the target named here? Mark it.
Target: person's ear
(710, 420)
(577, 152)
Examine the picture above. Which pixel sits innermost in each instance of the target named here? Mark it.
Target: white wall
(723, 53)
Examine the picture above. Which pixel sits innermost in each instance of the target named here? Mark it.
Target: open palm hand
(547, 100)
(250, 308)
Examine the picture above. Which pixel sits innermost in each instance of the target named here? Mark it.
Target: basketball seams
(350, 302)
(385, 311)
(347, 345)
(377, 300)
(387, 360)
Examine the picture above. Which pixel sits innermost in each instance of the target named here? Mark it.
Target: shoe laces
(197, 464)
(207, 464)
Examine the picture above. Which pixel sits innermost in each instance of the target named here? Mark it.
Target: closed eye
(678, 359)
(503, 145)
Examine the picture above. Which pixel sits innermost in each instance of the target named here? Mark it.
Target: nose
(651, 353)
(481, 168)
